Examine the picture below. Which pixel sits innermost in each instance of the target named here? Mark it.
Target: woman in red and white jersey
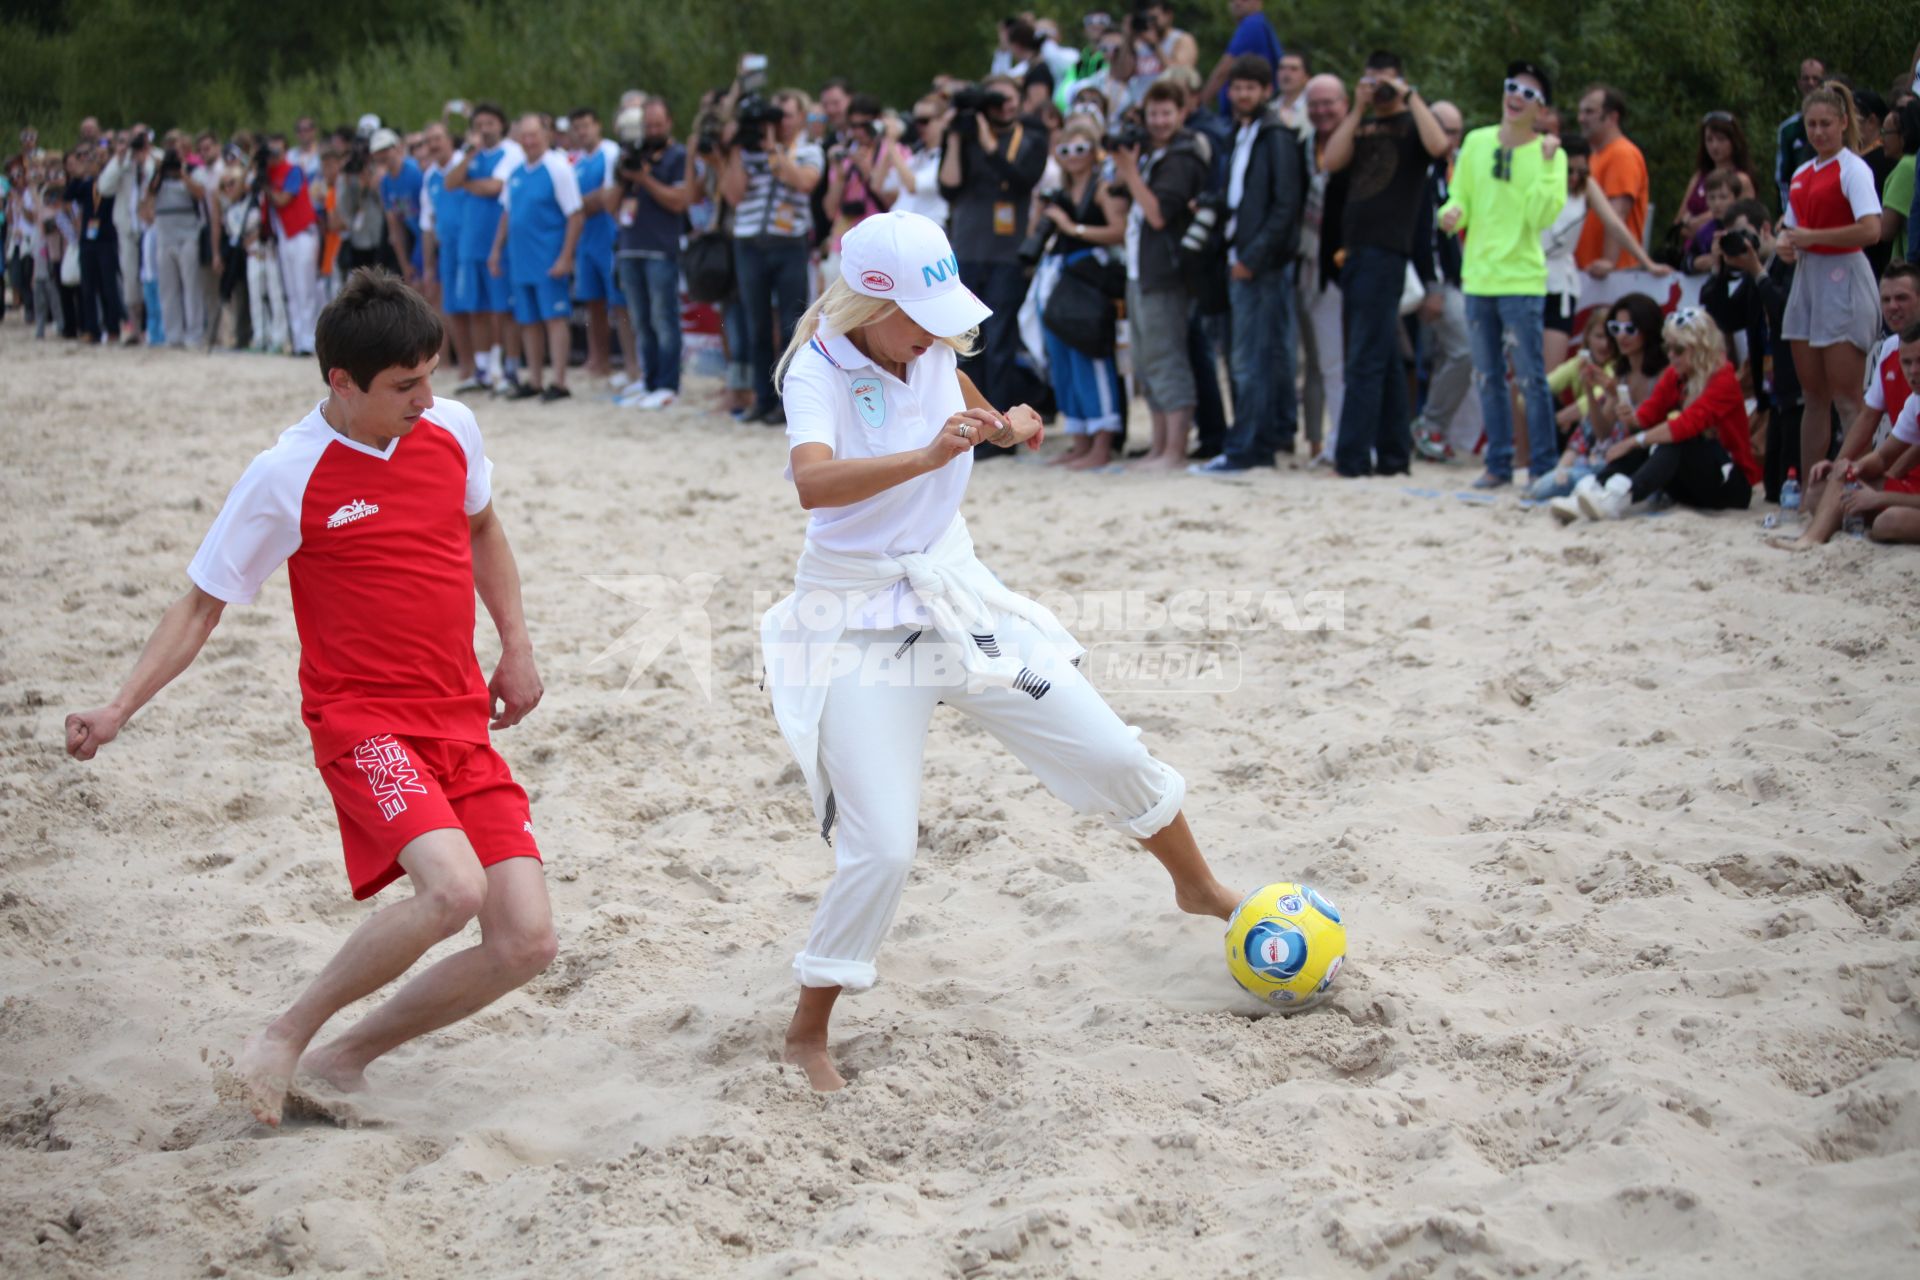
(1833, 311)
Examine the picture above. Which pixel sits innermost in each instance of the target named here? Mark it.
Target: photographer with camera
(990, 162)
(658, 186)
(857, 170)
(289, 210)
(1748, 296)
(1163, 170)
(768, 173)
(914, 182)
(1266, 189)
(127, 176)
(1390, 138)
(172, 203)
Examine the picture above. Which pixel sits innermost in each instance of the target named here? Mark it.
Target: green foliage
(230, 63)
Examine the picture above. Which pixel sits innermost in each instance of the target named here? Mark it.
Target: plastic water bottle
(1790, 491)
(1855, 525)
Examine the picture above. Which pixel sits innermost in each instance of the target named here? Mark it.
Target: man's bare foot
(1066, 459)
(811, 1057)
(1207, 900)
(1795, 544)
(1091, 460)
(326, 1063)
(264, 1070)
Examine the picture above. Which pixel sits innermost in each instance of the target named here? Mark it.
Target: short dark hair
(1756, 214)
(1020, 35)
(1575, 145)
(1903, 270)
(863, 104)
(1383, 60)
(584, 113)
(1165, 91)
(493, 109)
(1298, 51)
(837, 82)
(1911, 333)
(1251, 66)
(1611, 103)
(375, 323)
(1721, 180)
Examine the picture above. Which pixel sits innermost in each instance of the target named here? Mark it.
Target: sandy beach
(1622, 820)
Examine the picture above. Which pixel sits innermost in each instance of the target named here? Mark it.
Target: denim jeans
(1266, 412)
(1375, 431)
(652, 290)
(100, 311)
(1205, 336)
(1512, 324)
(770, 275)
(1002, 286)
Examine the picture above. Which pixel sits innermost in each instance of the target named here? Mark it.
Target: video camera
(969, 102)
(753, 117)
(641, 155)
(1125, 135)
(1738, 242)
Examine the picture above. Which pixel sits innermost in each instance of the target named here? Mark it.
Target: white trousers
(176, 269)
(267, 303)
(300, 268)
(1323, 341)
(873, 734)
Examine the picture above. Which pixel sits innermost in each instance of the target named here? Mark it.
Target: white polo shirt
(838, 397)
(1906, 429)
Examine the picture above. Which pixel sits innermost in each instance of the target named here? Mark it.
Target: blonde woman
(1689, 438)
(892, 613)
(1089, 220)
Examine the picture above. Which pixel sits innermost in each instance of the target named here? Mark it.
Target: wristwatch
(1640, 439)
(1412, 90)
(1079, 231)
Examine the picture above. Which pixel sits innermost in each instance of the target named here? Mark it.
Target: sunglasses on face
(1622, 328)
(924, 121)
(1076, 148)
(1526, 91)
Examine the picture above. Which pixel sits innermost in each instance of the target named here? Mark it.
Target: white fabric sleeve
(459, 420)
(512, 161)
(812, 414)
(566, 184)
(1856, 183)
(426, 207)
(609, 175)
(257, 529)
(1875, 397)
(1906, 428)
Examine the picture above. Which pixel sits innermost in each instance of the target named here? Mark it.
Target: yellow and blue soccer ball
(1285, 944)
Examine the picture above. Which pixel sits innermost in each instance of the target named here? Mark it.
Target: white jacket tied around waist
(961, 597)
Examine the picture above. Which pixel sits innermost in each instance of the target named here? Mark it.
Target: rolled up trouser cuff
(1164, 810)
(821, 971)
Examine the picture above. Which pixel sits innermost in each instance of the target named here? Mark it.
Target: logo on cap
(878, 281)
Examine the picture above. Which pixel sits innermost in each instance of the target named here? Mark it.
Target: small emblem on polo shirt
(870, 398)
(355, 510)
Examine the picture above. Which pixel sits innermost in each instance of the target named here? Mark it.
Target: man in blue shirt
(655, 195)
(400, 183)
(539, 231)
(440, 211)
(1253, 34)
(478, 175)
(594, 284)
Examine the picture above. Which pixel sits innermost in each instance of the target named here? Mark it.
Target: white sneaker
(1586, 496)
(1609, 503)
(1565, 510)
(615, 381)
(632, 396)
(658, 399)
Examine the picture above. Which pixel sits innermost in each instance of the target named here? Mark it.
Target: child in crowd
(1590, 429)
(1722, 188)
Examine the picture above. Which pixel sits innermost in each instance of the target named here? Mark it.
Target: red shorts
(389, 791)
(1908, 483)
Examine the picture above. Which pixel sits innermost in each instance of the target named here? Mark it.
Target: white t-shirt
(1907, 429)
(925, 198)
(838, 397)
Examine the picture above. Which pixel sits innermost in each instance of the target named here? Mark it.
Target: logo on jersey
(390, 774)
(871, 400)
(878, 281)
(355, 510)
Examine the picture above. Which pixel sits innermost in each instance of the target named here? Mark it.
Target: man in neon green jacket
(1509, 184)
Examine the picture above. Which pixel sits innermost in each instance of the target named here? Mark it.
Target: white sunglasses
(1078, 148)
(1526, 91)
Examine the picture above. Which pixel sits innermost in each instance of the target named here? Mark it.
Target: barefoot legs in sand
(806, 1046)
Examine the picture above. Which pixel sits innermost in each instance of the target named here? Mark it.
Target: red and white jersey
(1829, 194)
(1887, 390)
(380, 562)
(1906, 428)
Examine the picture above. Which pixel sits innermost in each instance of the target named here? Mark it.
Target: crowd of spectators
(1228, 259)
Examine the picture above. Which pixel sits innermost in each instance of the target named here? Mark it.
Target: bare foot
(326, 1063)
(1091, 460)
(1165, 462)
(1797, 544)
(1067, 459)
(812, 1058)
(264, 1071)
(1208, 900)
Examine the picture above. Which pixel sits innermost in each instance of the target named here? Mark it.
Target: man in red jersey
(379, 503)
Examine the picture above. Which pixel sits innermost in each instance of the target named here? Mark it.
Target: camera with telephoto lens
(1738, 242)
(969, 102)
(1384, 94)
(709, 136)
(139, 141)
(1124, 136)
(639, 156)
(1207, 212)
(755, 115)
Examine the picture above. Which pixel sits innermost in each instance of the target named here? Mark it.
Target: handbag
(1079, 311)
(707, 264)
(70, 264)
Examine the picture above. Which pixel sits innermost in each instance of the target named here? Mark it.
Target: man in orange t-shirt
(1621, 171)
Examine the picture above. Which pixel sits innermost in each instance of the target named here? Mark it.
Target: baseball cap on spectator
(368, 126)
(906, 259)
(382, 139)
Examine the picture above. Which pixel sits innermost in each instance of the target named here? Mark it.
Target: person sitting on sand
(892, 613)
(1883, 488)
(1590, 428)
(1699, 456)
(380, 503)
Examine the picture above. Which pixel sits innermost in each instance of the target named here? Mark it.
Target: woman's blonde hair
(1082, 126)
(841, 309)
(1692, 330)
(1840, 98)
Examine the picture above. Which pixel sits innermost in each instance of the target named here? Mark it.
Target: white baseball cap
(905, 258)
(382, 139)
(369, 123)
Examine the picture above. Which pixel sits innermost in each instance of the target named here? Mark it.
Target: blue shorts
(546, 299)
(594, 279)
(456, 294)
(484, 291)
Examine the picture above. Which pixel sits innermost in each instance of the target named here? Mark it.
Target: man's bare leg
(629, 348)
(460, 333)
(560, 341)
(806, 1046)
(448, 890)
(533, 346)
(1195, 890)
(516, 945)
(1895, 524)
(599, 361)
(1825, 501)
